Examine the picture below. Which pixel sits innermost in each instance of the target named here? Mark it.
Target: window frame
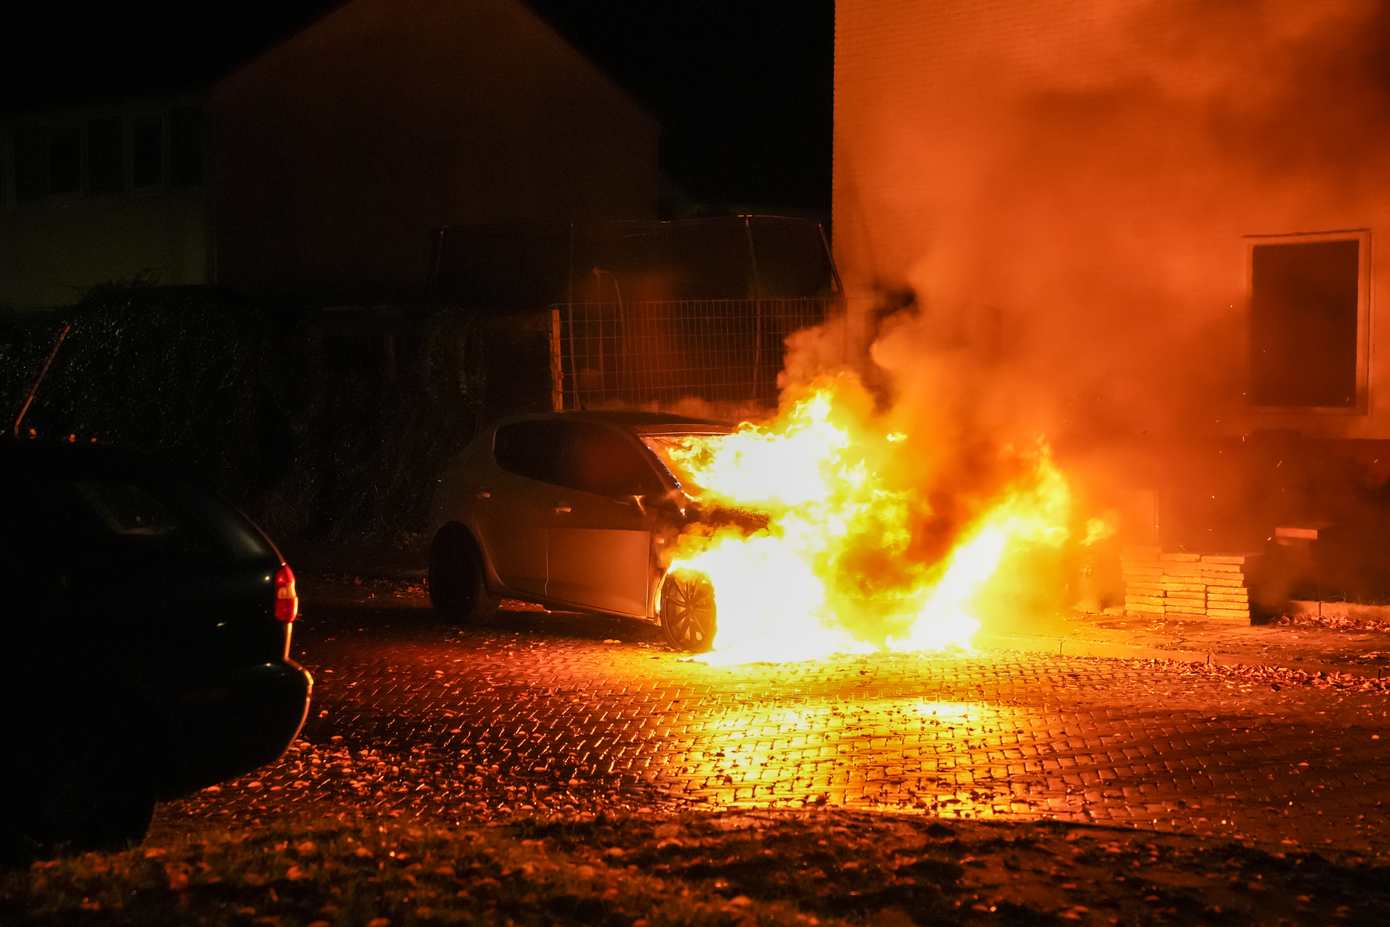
(6, 166)
(559, 459)
(22, 135)
(133, 120)
(539, 425)
(197, 125)
(1362, 236)
(51, 131)
(122, 154)
(620, 438)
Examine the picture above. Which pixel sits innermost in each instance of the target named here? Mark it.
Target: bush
(317, 434)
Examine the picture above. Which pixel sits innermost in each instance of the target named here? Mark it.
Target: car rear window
(223, 526)
(126, 509)
(98, 511)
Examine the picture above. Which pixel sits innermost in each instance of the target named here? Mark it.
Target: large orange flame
(850, 559)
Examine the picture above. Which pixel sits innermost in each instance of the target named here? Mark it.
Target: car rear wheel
(456, 585)
(97, 788)
(687, 611)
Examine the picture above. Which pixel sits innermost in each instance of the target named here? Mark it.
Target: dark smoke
(1069, 214)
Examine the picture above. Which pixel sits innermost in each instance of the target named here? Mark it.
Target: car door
(514, 502)
(600, 539)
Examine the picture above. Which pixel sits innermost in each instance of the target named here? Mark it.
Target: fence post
(557, 363)
(757, 307)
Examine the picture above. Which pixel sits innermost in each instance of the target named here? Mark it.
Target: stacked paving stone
(1143, 575)
(1208, 585)
(1184, 593)
(1228, 593)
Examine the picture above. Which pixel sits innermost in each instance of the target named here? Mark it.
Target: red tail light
(286, 599)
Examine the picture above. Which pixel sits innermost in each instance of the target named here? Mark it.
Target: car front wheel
(456, 585)
(687, 611)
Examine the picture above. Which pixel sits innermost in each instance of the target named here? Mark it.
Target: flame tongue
(851, 557)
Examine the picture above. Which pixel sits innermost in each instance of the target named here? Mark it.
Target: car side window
(529, 449)
(597, 460)
(125, 509)
(101, 513)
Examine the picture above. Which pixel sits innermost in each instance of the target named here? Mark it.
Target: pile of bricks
(1208, 585)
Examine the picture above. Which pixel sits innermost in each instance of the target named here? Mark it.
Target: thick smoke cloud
(1076, 259)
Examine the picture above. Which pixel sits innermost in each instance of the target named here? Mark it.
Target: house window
(64, 159)
(146, 151)
(185, 147)
(105, 156)
(30, 164)
(1307, 311)
(6, 162)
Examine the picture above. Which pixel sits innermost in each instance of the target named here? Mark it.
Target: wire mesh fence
(611, 353)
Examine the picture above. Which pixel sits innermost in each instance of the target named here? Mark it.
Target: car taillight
(286, 599)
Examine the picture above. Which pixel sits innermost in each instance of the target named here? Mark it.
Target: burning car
(573, 510)
(821, 527)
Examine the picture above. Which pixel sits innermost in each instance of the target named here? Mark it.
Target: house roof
(161, 49)
(122, 52)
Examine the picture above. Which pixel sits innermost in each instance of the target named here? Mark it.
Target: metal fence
(604, 354)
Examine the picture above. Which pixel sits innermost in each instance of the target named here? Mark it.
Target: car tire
(687, 612)
(457, 588)
(97, 789)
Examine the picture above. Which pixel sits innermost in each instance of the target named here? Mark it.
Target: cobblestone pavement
(572, 713)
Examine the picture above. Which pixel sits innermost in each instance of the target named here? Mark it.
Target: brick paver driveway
(574, 713)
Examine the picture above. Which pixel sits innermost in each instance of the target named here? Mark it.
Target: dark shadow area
(326, 426)
(347, 609)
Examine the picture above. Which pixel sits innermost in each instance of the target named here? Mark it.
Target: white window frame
(1361, 406)
(7, 155)
(51, 126)
(154, 115)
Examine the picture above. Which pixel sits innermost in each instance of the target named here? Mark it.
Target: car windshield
(679, 453)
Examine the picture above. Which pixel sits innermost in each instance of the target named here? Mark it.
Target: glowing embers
(854, 557)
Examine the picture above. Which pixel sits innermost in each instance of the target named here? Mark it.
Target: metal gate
(608, 354)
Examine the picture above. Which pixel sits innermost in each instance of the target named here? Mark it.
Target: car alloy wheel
(688, 611)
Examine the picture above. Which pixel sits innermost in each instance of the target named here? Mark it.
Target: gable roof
(164, 49)
(155, 49)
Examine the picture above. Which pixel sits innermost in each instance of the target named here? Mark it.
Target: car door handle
(563, 508)
(483, 494)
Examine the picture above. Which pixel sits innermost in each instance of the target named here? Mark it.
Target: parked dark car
(571, 510)
(148, 644)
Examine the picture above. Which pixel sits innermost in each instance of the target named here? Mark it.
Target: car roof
(87, 460)
(640, 423)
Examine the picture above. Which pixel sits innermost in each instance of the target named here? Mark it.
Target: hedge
(317, 432)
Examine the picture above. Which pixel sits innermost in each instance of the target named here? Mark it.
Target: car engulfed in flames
(844, 539)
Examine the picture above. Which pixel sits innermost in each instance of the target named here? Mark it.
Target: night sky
(742, 89)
